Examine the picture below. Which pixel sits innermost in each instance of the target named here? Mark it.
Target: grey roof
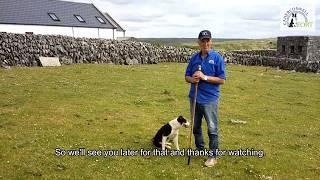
(113, 22)
(35, 12)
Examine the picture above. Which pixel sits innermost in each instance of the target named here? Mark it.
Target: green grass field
(246, 44)
(109, 107)
(231, 45)
(218, 44)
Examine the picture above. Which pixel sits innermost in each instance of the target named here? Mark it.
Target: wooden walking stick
(193, 114)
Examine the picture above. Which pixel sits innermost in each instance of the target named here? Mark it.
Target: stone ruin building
(305, 48)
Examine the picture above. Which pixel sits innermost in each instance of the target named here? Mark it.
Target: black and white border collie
(169, 133)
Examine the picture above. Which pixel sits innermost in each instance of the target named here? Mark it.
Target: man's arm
(192, 80)
(220, 73)
(199, 75)
(214, 80)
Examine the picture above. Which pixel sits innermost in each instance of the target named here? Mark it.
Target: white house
(56, 17)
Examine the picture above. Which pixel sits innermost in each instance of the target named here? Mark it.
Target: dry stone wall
(273, 61)
(25, 50)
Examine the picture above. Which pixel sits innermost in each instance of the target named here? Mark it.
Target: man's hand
(198, 75)
(195, 79)
(192, 80)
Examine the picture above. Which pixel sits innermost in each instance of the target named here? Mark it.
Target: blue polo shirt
(212, 65)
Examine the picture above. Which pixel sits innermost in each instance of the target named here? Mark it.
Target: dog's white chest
(173, 133)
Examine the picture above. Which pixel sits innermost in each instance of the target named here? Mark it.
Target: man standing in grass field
(210, 77)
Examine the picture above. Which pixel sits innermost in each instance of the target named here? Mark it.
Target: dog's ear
(181, 119)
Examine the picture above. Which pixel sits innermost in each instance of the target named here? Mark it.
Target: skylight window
(100, 20)
(80, 19)
(54, 16)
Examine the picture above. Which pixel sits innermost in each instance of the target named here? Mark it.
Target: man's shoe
(211, 162)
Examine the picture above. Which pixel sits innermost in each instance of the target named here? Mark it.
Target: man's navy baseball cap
(205, 34)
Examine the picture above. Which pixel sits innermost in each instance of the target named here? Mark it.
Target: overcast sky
(185, 18)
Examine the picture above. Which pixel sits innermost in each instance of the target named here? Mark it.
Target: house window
(283, 50)
(80, 19)
(291, 49)
(100, 20)
(54, 16)
(300, 49)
